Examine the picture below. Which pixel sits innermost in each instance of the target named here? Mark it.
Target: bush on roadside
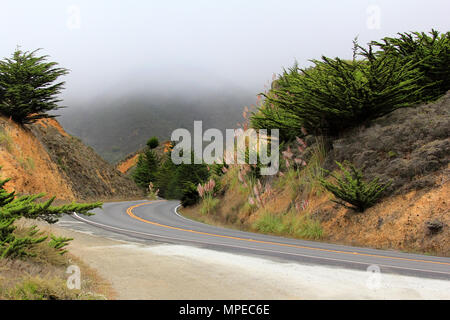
(13, 208)
(351, 188)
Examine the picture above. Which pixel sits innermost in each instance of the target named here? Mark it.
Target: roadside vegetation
(157, 175)
(348, 130)
(33, 262)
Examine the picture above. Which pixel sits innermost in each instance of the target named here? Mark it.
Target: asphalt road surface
(159, 221)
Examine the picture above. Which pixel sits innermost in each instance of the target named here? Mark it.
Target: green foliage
(59, 243)
(13, 208)
(351, 188)
(272, 116)
(190, 195)
(291, 223)
(431, 53)
(209, 204)
(177, 181)
(27, 86)
(153, 142)
(38, 288)
(146, 169)
(164, 176)
(337, 94)
(269, 223)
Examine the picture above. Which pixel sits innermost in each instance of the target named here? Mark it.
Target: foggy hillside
(115, 127)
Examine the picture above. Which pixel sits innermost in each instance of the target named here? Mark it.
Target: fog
(176, 47)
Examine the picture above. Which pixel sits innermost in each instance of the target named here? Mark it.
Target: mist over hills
(117, 124)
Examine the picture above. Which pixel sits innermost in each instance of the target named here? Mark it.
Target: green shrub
(209, 204)
(146, 169)
(431, 53)
(59, 243)
(336, 94)
(13, 208)
(351, 188)
(291, 223)
(309, 228)
(190, 195)
(269, 223)
(153, 142)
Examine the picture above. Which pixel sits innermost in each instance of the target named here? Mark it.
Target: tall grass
(305, 181)
(38, 288)
(6, 140)
(209, 204)
(291, 224)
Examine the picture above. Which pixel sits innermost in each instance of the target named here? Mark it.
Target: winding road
(159, 221)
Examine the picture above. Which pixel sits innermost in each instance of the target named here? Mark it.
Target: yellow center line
(132, 215)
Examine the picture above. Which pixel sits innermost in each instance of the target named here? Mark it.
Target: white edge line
(249, 248)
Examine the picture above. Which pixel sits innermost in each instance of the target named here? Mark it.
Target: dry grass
(43, 276)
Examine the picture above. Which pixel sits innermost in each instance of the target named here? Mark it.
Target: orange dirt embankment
(24, 159)
(127, 164)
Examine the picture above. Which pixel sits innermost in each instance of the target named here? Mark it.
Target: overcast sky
(110, 45)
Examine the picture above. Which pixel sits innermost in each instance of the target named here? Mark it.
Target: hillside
(42, 157)
(409, 147)
(127, 164)
(116, 127)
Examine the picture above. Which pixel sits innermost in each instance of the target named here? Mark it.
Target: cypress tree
(146, 169)
(13, 208)
(28, 86)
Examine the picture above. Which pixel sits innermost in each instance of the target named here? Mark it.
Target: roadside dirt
(165, 271)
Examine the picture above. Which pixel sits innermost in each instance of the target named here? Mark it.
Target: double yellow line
(132, 215)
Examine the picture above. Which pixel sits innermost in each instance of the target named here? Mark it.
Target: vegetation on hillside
(14, 207)
(28, 87)
(337, 94)
(32, 249)
(159, 176)
(351, 188)
(147, 165)
(364, 113)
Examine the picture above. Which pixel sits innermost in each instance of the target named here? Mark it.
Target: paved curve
(158, 220)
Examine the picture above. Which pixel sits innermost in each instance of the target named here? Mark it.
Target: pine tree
(146, 169)
(153, 142)
(27, 86)
(13, 208)
(165, 177)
